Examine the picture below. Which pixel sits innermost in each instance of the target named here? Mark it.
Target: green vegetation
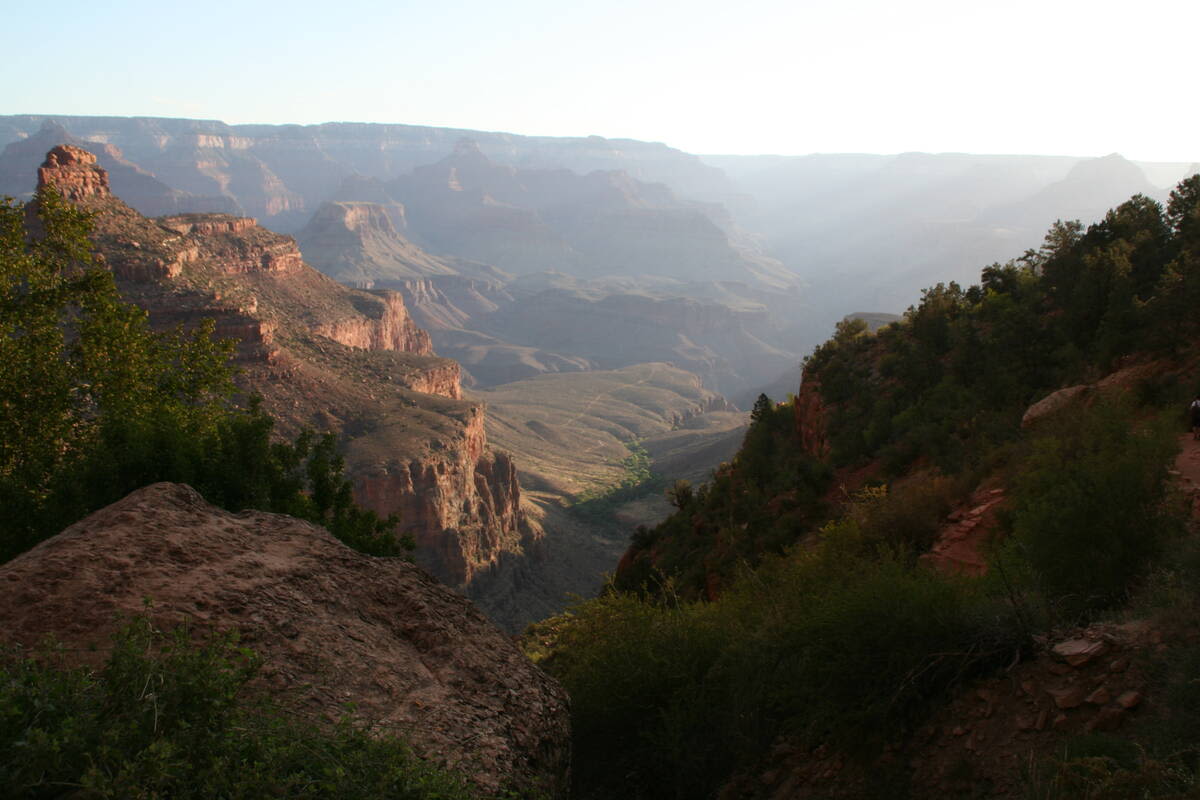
(1091, 511)
(772, 607)
(93, 404)
(843, 643)
(760, 503)
(637, 480)
(167, 717)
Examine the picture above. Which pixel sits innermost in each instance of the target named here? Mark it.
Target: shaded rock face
(327, 357)
(357, 243)
(332, 625)
(464, 511)
(811, 416)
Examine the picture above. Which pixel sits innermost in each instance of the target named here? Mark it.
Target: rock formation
(281, 174)
(357, 243)
(136, 186)
(602, 223)
(323, 356)
(333, 627)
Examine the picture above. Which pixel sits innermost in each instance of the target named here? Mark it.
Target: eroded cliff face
(391, 329)
(811, 415)
(322, 356)
(464, 510)
(73, 171)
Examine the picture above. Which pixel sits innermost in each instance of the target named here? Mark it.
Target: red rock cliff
(425, 457)
(73, 171)
(811, 418)
(392, 329)
(464, 509)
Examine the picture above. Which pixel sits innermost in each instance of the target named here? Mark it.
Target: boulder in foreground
(333, 626)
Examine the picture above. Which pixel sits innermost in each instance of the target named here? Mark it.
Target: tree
(94, 404)
(762, 409)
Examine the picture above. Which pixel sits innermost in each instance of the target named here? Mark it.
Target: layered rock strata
(322, 356)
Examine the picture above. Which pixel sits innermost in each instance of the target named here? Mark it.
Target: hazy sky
(1079, 77)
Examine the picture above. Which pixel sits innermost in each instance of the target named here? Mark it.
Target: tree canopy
(95, 404)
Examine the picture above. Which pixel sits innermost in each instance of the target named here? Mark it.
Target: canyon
(322, 355)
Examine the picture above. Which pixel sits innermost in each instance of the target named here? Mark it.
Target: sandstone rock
(1130, 699)
(299, 334)
(1053, 403)
(1067, 696)
(1078, 652)
(1099, 697)
(73, 171)
(331, 624)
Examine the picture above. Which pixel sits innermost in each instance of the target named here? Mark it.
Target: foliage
(1090, 510)
(166, 717)
(748, 615)
(760, 504)
(844, 644)
(638, 479)
(93, 404)
(948, 382)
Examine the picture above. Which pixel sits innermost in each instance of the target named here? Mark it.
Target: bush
(166, 717)
(1090, 509)
(841, 644)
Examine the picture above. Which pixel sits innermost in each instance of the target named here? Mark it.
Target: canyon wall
(322, 356)
(464, 510)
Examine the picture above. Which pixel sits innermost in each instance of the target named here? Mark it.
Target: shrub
(841, 644)
(166, 717)
(1090, 507)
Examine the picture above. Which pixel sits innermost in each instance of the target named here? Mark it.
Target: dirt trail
(1187, 469)
(962, 541)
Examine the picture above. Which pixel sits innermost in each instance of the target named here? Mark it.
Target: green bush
(841, 644)
(93, 404)
(1090, 507)
(169, 718)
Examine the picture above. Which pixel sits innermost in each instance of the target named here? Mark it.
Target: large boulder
(332, 625)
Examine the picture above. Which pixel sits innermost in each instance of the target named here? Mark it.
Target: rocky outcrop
(811, 418)
(238, 244)
(388, 327)
(1053, 404)
(332, 626)
(712, 403)
(357, 243)
(19, 161)
(73, 171)
(463, 510)
(1074, 398)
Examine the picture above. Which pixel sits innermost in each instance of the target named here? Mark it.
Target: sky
(1063, 77)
